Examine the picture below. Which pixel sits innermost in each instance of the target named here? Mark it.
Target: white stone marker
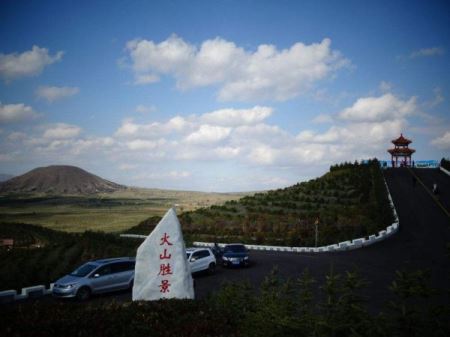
(162, 270)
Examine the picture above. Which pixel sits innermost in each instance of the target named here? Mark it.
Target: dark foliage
(40, 255)
(445, 163)
(278, 308)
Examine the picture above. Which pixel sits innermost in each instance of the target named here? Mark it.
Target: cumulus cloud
(427, 52)
(207, 134)
(129, 128)
(10, 113)
(61, 131)
(266, 73)
(52, 94)
(28, 63)
(373, 109)
(236, 117)
(240, 139)
(442, 142)
(142, 144)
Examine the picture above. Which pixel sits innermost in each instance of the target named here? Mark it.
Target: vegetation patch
(107, 212)
(279, 308)
(351, 201)
(41, 256)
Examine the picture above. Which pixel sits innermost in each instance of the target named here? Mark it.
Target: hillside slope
(58, 179)
(4, 176)
(348, 202)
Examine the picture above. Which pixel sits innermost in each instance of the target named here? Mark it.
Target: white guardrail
(444, 170)
(341, 246)
(8, 296)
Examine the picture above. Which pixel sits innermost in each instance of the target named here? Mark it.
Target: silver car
(95, 277)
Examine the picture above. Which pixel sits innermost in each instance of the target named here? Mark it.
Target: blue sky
(220, 95)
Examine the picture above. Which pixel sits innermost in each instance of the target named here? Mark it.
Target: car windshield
(83, 270)
(235, 249)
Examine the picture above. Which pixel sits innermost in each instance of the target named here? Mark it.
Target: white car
(201, 259)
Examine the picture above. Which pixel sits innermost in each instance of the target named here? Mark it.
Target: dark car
(235, 254)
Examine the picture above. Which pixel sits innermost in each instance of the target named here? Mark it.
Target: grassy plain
(110, 212)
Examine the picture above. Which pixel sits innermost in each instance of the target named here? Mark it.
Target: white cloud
(442, 142)
(263, 155)
(236, 117)
(142, 144)
(158, 176)
(10, 113)
(267, 73)
(427, 52)
(52, 94)
(373, 109)
(207, 134)
(152, 130)
(145, 109)
(234, 143)
(61, 131)
(227, 152)
(28, 63)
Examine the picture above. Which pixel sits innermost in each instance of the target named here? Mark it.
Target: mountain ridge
(59, 179)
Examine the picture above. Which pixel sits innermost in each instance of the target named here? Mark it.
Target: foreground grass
(112, 212)
(278, 308)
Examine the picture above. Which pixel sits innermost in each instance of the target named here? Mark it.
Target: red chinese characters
(165, 268)
(165, 240)
(165, 286)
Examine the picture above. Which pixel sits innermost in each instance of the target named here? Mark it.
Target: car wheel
(212, 268)
(83, 294)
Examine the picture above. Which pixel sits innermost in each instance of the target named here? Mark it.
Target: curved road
(420, 244)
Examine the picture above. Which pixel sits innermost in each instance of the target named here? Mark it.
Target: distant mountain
(58, 179)
(4, 177)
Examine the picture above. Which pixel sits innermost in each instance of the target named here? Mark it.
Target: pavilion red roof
(401, 140)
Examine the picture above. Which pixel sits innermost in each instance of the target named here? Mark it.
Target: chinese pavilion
(401, 153)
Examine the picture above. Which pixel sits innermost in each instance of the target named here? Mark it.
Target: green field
(112, 212)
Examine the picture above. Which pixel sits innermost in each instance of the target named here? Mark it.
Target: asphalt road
(420, 244)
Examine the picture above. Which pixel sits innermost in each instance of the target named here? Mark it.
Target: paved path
(420, 244)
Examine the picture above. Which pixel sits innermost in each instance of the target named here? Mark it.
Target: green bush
(303, 307)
